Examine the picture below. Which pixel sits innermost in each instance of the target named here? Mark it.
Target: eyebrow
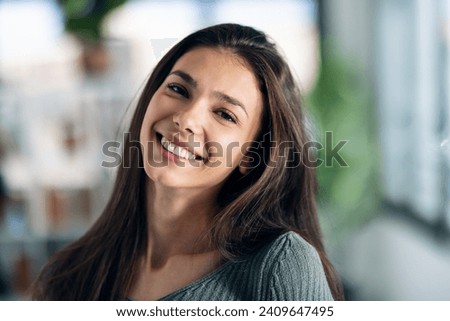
(185, 76)
(230, 100)
(220, 95)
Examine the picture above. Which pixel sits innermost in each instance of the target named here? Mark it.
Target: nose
(189, 119)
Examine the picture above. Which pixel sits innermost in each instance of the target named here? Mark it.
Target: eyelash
(227, 116)
(180, 90)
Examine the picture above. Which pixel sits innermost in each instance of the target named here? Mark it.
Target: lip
(174, 140)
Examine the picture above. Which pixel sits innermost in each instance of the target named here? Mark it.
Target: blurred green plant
(342, 103)
(84, 17)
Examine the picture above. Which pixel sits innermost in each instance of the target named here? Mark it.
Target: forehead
(206, 55)
(218, 59)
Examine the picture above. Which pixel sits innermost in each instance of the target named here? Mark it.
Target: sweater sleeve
(297, 273)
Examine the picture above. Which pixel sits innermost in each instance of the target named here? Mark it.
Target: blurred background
(374, 73)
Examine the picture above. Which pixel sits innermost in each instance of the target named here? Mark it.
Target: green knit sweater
(288, 268)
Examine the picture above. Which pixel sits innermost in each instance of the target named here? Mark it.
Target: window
(414, 106)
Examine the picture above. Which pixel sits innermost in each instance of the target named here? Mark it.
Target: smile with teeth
(177, 150)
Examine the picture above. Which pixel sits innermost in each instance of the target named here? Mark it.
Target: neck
(178, 220)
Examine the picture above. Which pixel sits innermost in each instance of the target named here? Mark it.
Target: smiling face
(200, 120)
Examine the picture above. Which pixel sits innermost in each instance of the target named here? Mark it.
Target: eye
(178, 89)
(227, 116)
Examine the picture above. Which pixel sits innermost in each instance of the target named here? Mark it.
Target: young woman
(219, 200)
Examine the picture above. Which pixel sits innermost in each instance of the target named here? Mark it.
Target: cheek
(151, 116)
(148, 125)
(231, 148)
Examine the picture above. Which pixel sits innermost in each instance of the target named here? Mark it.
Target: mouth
(179, 151)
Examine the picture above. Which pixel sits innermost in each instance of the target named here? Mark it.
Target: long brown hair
(276, 195)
